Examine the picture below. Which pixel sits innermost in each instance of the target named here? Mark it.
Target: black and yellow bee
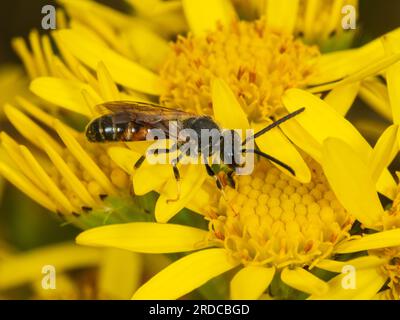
(132, 121)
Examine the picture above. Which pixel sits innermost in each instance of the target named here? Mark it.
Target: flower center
(391, 220)
(272, 219)
(257, 63)
(392, 271)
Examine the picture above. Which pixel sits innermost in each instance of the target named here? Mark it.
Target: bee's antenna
(271, 158)
(273, 125)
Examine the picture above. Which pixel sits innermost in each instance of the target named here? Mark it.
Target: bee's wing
(149, 115)
(144, 112)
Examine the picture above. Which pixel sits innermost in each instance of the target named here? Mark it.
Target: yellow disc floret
(272, 219)
(391, 269)
(257, 63)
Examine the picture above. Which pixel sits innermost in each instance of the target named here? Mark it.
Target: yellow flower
(121, 44)
(77, 178)
(12, 82)
(381, 92)
(219, 69)
(273, 223)
(104, 274)
(272, 226)
(316, 22)
(354, 182)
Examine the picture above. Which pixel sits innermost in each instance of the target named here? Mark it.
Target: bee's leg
(166, 150)
(139, 162)
(211, 173)
(230, 179)
(155, 151)
(220, 186)
(218, 182)
(177, 177)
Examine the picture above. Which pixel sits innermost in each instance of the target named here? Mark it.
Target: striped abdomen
(115, 127)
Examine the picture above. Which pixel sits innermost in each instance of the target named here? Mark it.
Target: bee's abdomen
(103, 129)
(115, 127)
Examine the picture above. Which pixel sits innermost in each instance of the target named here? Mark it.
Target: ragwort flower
(243, 73)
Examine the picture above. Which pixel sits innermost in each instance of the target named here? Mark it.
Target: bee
(132, 121)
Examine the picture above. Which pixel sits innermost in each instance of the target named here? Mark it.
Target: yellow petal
(340, 64)
(342, 98)
(38, 113)
(277, 145)
(120, 273)
(151, 177)
(185, 275)
(382, 239)
(227, 110)
(64, 93)
(167, 16)
(373, 68)
(386, 185)
(282, 15)
(393, 79)
(27, 187)
(301, 138)
(351, 181)
(205, 197)
(50, 185)
(204, 15)
(81, 155)
(29, 129)
(71, 179)
(192, 177)
(13, 151)
(140, 147)
(358, 263)
(321, 121)
(26, 267)
(147, 237)
(122, 70)
(97, 9)
(37, 52)
(108, 88)
(384, 152)
(367, 283)
(20, 47)
(303, 280)
(250, 282)
(149, 47)
(48, 52)
(375, 95)
(124, 158)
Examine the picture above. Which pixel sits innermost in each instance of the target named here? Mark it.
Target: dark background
(17, 17)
